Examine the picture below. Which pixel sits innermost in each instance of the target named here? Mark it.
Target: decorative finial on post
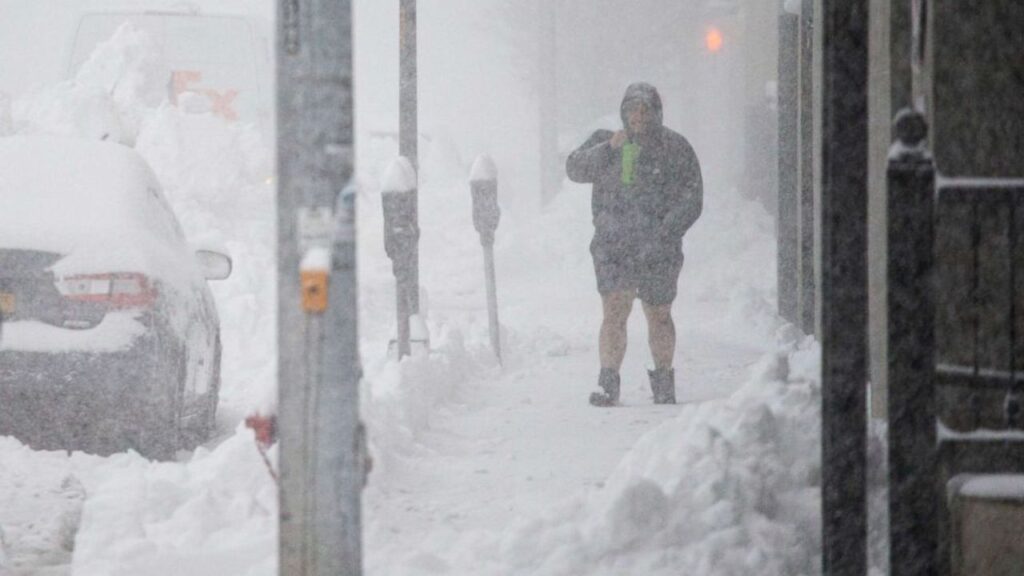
(911, 130)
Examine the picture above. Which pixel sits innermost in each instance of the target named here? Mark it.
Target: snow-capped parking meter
(401, 236)
(483, 184)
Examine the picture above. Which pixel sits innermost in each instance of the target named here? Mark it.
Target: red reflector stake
(265, 428)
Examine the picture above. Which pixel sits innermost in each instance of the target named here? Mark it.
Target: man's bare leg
(661, 334)
(612, 344)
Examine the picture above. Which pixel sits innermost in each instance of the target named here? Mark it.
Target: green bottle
(630, 152)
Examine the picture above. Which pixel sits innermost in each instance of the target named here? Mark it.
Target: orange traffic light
(713, 39)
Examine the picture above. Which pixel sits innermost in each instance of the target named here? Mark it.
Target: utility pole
(322, 455)
(408, 124)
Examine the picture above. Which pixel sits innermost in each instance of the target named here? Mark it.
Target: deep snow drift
(522, 476)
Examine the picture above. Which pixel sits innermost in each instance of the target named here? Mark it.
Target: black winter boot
(663, 384)
(609, 382)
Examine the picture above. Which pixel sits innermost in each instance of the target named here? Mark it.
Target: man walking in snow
(647, 192)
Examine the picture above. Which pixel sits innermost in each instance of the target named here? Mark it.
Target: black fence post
(844, 299)
(914, 493)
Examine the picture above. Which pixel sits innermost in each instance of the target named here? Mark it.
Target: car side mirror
(215, 266)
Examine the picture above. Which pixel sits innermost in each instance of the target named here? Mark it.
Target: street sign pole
(408, 124)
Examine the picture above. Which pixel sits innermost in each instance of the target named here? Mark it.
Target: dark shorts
(654, 282)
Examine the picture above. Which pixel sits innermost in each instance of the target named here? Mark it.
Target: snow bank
(41, 498)
(401, 400)
(213, 515)
(728, 487)
(107, 98)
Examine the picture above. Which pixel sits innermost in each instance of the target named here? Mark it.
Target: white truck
(223, 55)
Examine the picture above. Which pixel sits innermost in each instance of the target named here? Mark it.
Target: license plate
(6, 303)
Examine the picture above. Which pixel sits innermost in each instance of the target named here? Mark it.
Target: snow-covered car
(109, 338)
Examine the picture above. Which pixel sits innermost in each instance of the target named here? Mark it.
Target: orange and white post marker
(314, 272)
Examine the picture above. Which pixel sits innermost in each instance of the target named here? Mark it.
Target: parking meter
(401, 238)
(401, 232)
(483, 183)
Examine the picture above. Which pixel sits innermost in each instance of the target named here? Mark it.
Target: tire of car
(159, 429)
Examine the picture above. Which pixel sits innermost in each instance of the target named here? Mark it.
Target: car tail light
(122, 290)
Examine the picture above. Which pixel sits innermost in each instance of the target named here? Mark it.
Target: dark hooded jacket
(643, 221)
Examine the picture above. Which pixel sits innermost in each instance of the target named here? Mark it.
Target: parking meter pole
(403, 312)
(320, 468)
(492, 300)
(483, 183)
(401, 237)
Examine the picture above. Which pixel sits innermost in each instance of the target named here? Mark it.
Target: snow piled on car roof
(94, 202)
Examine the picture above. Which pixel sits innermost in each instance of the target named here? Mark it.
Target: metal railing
(978, 338)
(954, 340)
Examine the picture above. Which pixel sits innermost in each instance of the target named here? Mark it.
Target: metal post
(808, 280)
(550, 163)
(408, 122)
(844, 287)
(318, 373)
(341, 453)
(483, 182)
(401, 235)
(788, 208)
(914, 495)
